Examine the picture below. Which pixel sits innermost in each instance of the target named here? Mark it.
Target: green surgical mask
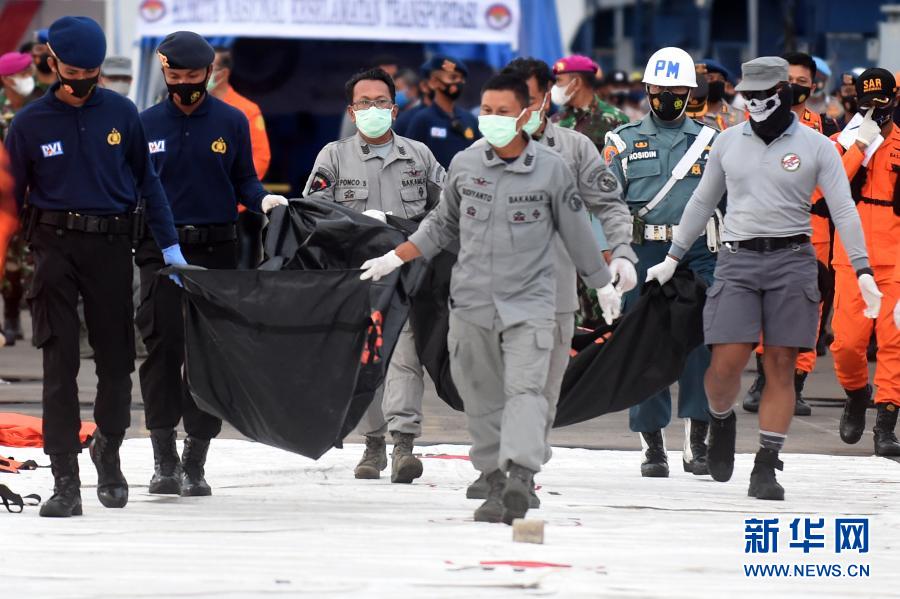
(534, 122)
(211, 83)
(374, 122)
(498, 130)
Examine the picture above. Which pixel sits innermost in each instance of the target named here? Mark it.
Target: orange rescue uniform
(876, 197)
(259, 141)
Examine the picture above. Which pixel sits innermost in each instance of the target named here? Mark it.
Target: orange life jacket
(19, 430)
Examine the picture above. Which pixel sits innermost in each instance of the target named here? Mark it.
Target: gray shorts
(775, 294)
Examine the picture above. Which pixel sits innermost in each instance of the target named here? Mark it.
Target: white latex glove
(376, 214)
(871, 295)
(897, 314)
(381, 266)
(663, 271)
(270, 201)
(627, 275)
(610, 301)
(868, 130)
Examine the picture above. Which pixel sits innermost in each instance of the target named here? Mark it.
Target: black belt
(870, 201)
(768, 244)
(118, 224)
(203, 234)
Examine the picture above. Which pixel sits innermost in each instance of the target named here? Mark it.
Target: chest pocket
(352, 197)
(643, 167)
(528, 223)
(413, 199)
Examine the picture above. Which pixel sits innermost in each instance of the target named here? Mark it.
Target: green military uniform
(595, 121)
(644, 153)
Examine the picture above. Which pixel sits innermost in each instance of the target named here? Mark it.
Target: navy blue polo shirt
(406, 117)
(435, 128)
(91, 159)
(204, 160)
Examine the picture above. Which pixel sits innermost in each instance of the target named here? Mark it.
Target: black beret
(185, 50)
(78, 42)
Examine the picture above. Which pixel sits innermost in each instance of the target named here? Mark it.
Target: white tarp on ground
(281, 525)
(456, 21)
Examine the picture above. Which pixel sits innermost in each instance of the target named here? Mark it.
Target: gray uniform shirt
(506, 217)
(769, 189)
(406, 183)
(601, 193)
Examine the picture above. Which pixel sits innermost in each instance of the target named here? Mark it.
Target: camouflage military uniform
(593, 121)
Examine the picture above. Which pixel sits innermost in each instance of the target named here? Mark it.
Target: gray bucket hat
(762, 73)
(116, 66)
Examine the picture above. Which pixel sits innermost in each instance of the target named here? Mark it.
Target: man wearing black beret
(201, 149)
(79, 156)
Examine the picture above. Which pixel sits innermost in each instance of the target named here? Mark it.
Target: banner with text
(462, 21)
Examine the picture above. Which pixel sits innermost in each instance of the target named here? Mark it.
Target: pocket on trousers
(812, 293)
(42, 331)
(543, 339)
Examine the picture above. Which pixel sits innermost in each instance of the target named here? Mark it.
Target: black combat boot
(801, 408)
(762, 479)
(886, 444)
(754, 393)
(479, 490)
(167, 473)
(374, 459)
(405, 467)
(853, 420)
(517, 493)
(112, 488)
(193, 459)
(720, 456)
(66, 499)
(492, 508)
(656, 463)
(695, 438)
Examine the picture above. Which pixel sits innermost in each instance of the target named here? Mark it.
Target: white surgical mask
(23, 85)
(560, 95)
(120, 87)
(374, 122)
(760, 110)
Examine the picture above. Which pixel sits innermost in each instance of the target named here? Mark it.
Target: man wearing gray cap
(766, 279)
(115, 74)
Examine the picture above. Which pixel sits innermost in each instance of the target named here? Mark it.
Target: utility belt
(642, 232)
(767, 244)
(206, 234)
(115, 224)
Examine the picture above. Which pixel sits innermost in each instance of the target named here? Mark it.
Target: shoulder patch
(321, 180)
(609, 152)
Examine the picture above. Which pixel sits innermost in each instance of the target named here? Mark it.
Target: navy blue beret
(713, 66)
(185, 50)
(442, 62)
(78, 42)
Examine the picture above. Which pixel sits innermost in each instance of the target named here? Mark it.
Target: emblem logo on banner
(152, 10)
(498, 16)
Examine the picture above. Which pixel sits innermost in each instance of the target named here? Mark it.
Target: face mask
(716, 91)
(535, 120)
(80, 88)
(401, 100)
(41, 62)
(188, 93)
(454, 90)
(771, 116)
(561, 95)
(850, 104)
(373, 122)
(729, 97)
(800, 93)
(881, 116)
(212, 83)
(618, 97)
(498, 130)
(23, 86)
(668, 106)
(120, 87)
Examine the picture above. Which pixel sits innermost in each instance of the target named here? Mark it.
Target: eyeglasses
(367, 104)
(761, 94)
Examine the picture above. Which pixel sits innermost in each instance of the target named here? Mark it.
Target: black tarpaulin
(615, 367)
(292, 353)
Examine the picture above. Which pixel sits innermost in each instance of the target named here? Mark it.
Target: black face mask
(716, 91)
(850, 104)
(801, 93)
(189, 93)
(42, 64)
(80, 88)
(668, 106)
(882, 116)
(454, 90)
(778, 122)
(729, 97)
(618, 97)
